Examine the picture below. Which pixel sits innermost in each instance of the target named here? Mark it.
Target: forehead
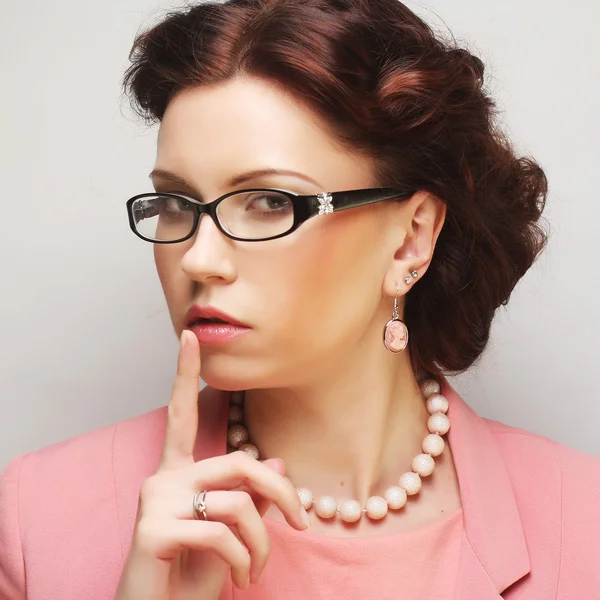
(244, 124)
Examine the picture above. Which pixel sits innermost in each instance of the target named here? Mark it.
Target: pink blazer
(531, 509)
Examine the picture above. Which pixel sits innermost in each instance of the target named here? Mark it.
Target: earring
(409, 278)
(395, 332)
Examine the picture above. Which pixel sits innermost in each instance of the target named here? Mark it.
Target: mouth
(212, 327)
(209, 315)
(204, 321)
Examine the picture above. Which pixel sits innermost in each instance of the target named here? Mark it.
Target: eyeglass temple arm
(328, 203)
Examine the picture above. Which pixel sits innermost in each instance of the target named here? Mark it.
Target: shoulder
(77, 473)
(525, 450)
(88, 455)
(48, 495)
(81, 454)
(557, 489)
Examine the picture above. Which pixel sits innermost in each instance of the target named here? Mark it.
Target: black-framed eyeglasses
(251, 215)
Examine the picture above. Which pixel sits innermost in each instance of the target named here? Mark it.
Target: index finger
(182, 413)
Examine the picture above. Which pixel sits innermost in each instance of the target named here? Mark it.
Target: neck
(349, 437)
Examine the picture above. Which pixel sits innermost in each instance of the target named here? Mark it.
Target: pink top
(419, 563)
(530, 520)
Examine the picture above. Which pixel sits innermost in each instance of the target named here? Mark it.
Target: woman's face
(311, 298)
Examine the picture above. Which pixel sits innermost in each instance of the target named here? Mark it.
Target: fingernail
(305, 519)
(184, 338)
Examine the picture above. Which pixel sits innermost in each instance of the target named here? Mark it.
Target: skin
(320, 381)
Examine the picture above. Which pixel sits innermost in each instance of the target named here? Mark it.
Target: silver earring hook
(396, 313)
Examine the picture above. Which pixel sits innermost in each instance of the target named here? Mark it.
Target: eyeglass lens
(248, 215)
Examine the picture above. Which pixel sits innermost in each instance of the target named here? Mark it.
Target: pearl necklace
(376, 507)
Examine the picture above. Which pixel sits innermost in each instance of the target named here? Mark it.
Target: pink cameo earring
(395, 332)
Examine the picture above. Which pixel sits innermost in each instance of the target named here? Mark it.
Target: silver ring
(200, 506)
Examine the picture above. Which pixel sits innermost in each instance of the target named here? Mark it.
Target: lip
(217, 333)
(210, 312)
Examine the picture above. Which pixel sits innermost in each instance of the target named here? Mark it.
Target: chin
(233, 374)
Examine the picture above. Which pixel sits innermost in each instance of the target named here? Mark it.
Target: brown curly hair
(392, 90)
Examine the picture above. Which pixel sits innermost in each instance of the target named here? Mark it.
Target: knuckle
(174, 411)
(149, 488)
(242, 502)
(149, 536)
(240, 461)
(146, 493)
(238, 457)
(220, 533)
(156, 494)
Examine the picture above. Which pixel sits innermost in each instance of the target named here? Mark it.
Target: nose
(209, 259)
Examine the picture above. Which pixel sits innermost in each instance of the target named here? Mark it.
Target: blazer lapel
(493, 552)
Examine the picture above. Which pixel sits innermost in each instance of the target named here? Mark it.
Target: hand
(173, 556)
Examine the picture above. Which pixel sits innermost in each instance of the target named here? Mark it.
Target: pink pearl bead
(433, 444)
(236, 414)
(437, 403)
(423, 464)
(250, 450)
(396, 497)
(237, 435)
(350, 511)
(326, 507)
(237, 398)
(376, 507)
(410, 482)
(429, 387)
(438, 423)
(306, 497)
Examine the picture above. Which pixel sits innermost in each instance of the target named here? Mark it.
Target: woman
(335, 220)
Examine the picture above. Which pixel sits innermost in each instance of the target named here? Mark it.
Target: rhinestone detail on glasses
(325, 204)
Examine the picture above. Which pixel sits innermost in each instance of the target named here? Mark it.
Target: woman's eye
(269, 202)
(176, 204)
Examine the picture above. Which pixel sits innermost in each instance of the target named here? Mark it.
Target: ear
(418, 223)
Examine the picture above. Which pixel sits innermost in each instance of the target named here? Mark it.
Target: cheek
(172, 279)
(327, 282)
(342, 258)
(163, 262)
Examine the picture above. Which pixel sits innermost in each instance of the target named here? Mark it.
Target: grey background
(86, 338)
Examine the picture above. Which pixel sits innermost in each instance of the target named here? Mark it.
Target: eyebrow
(238, 179)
